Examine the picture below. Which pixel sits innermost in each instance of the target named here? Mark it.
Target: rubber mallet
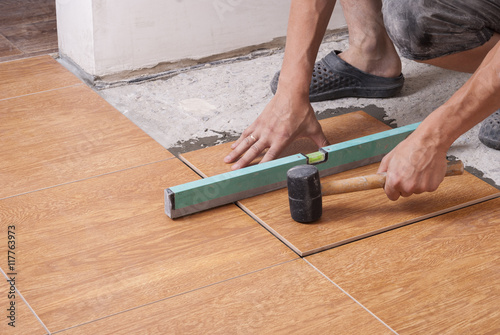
(305, 190)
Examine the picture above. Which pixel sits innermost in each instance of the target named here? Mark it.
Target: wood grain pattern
(32, 75)
(33, 37)
(16, 12)
(64, 135)
(438, 276)
(26, 322)
(209, 161)
(93, 248)
(347, 217)
(287, 299)
(7, 48)
(30, 27)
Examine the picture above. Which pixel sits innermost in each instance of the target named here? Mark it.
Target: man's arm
(418, 164)
(289, 114)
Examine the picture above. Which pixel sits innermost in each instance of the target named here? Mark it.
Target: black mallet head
(304, 193)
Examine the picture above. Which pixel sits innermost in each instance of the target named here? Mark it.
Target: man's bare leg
(465, 61)
(370, 48)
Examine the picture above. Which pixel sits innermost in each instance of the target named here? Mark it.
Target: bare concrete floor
(215, 103)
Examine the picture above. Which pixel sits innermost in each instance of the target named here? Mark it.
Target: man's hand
(418, 164)
(289, 114)
(284, 119)
(413, 167)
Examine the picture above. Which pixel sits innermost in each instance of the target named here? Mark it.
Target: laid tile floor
(96, 253)
(33, 75)
(286, 299)
(51, 137)
(27, 29)
(103, 245)
(437, 276)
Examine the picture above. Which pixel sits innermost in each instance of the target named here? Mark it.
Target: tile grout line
(242, 208)
(11, 45)
(45, 91)
(174, 296)
(350, 296)
(84, 179)
(402, 224)
(27, 304)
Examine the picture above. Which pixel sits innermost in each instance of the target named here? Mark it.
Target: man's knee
(423, 29)
(408, 27)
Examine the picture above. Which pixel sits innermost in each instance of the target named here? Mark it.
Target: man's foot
(489, 133)
(333, 78)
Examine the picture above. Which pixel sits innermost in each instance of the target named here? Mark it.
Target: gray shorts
(426, 29)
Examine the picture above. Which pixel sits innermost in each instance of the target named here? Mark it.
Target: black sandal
(333, 78)
(489, 133)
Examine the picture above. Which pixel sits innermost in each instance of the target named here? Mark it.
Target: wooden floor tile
(16, 12)
(291, 298)
(350, 216)
(33, 37)
(97, 247)
(24, 320)
(32, 75)
(209, 161)
(7, 48)
(64, 135)
(30, 26)
(439, 276)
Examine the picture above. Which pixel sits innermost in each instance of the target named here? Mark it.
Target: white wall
(106, 37)
(76, 32)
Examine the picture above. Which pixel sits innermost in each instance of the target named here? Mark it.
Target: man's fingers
(391, 192)
(247, 133)
(384, 164)
(251, 153)
(320, 139)
(395, 187)
(274, 151)
(244, 143)
(237, 142)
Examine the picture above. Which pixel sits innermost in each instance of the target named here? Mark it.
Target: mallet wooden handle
(375, 181)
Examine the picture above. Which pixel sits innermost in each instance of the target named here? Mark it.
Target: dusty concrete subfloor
(215, 103)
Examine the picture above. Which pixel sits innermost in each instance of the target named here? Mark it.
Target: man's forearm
(474, 101)
(306, 27)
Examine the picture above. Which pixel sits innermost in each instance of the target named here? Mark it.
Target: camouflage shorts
(426, 29)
